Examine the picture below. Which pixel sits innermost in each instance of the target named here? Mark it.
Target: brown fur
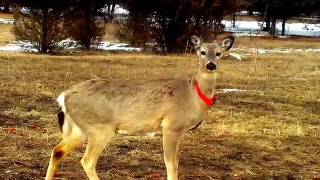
(97, 109)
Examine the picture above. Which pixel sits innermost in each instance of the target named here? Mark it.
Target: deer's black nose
(211, 66)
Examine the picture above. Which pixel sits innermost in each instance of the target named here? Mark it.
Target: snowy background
(242, 28)
(252, 28)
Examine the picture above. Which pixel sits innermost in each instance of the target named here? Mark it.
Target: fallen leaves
(10, 129)
(59, 174)
(35, 126)
(155, 176)
(21, 131)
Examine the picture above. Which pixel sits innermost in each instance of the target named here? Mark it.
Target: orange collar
(204, 98)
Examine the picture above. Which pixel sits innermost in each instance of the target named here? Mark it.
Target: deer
(96, 110)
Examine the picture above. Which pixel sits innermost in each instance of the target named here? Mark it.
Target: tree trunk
(88, 32)
(234, 19)
(283, 30)
(44, 26)
(171, 37)
(6, 8)
(113, 5)
(171, 46)
(109, 7)
(171, 43)
(268, 24)
(273, 27)
(88, 26)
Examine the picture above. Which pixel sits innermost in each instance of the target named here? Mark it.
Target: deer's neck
(207, 83)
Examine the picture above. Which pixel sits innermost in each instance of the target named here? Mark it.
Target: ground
(270, 131)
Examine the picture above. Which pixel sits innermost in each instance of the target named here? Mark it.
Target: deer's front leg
(170, 148)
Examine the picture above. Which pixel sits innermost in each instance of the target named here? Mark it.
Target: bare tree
(40, 25)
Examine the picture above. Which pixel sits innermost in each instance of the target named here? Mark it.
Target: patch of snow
(242, 13)
(227, 90)
(264, 51)
(277, 50)
(18, 46)
(253, 28)
(241, 25)
(25, 10)
(236, 56)
(6, 21)
(68, 44)
(120, 10)
(310, 50)
(301, 29)
(255, 13)
(116, 47)
(10, 47)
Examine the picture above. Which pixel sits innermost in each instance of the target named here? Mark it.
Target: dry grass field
(293, 42)
(5, 34)
(271, 131)
(6, 16)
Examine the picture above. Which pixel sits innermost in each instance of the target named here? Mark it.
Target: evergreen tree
(40, 23)
(6, 5)
(169, 22)
(87, 21)
(273, 10)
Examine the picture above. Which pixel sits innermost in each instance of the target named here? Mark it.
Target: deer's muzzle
(211, 66)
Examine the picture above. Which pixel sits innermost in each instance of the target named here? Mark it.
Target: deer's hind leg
(74, 139)
(98, 138)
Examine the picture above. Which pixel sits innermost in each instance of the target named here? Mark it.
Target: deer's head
(210, 53)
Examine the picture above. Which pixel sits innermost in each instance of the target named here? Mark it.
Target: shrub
(41, 26)
(86, 23)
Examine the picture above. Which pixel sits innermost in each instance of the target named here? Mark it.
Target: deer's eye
(202, 52)
(218, 53)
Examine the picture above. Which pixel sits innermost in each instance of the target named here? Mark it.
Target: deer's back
(130, 105)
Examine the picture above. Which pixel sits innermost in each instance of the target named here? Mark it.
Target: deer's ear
(227, 42)
(195, 42)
